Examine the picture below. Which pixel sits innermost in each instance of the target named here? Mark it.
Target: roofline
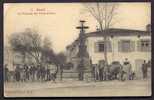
(129, 33)
(114, 32)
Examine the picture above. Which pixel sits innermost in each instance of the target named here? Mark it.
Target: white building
(12, 58)
(135, 45)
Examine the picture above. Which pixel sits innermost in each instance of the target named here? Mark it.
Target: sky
(58, 21)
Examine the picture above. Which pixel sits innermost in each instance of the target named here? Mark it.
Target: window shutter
(119, 46)
(132, 45)
(96, 47)
(138, 45)
(149, 46)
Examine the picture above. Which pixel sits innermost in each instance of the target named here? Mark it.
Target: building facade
(135, 45)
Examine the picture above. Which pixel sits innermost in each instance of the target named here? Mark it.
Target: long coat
(127, 68)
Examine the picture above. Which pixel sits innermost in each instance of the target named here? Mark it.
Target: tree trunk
(105, 45)
(105, 51)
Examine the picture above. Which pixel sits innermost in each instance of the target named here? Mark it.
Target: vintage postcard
(77, 49)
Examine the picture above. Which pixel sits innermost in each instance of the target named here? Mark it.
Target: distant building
(12, 58)
(135, 45)
(7, 57)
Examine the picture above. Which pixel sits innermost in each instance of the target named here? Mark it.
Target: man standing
(103, 70)
(97, 72)
(106, 73)
(101, 67)
(6, 71)
(144, 70)
(53, 72)
(17, 73)
(127, 68)
(48, 73)
(93, 72)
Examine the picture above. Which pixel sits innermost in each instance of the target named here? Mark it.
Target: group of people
(116, 70)
(25, 73)
(100, 72)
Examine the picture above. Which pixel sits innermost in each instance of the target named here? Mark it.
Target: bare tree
(47, 44)
(47, 52)
(104, 14)
(27, 42)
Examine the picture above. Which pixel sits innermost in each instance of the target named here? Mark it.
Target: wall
(115, 55)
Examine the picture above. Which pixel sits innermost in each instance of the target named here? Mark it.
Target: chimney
(148, 28)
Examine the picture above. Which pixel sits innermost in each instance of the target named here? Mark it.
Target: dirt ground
(78, 88)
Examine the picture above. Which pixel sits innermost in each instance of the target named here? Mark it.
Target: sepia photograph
(99, 49)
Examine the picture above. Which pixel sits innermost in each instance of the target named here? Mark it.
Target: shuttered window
(100, 46)
(126, 46)
(144, 45)
(139, 45)
(132, 46)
